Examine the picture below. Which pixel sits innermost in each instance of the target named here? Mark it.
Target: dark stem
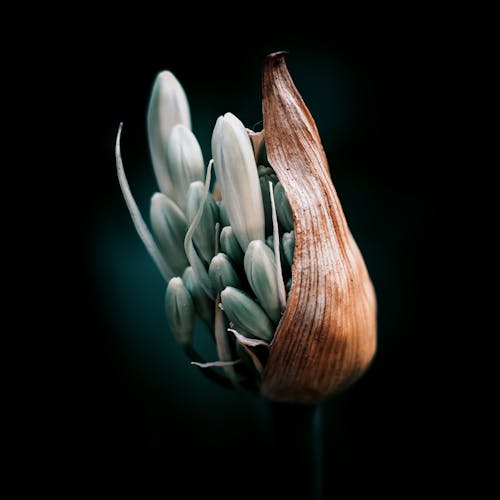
(298, 431)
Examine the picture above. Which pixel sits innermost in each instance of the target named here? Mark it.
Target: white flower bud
(248, 317)
(230, 246)
(260, 269)
(204, 235)
(180, 311)
(202, 302)
(283, 209)
(168, 106)
(170, 227)
(184, 163)
(222, 273)
(238, 179)
(222, 214)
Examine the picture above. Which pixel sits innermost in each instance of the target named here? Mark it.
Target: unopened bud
(238, 179)
(248, 317)
(283, 209)
(260, 269)
(204, 235)
(223, 214)
(169, 226)
(222, 273)
(184, 163)
(202, 302)
(168, 106)
(230, 246)
(180, 311)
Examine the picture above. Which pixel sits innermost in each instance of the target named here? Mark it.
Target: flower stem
(298, 431)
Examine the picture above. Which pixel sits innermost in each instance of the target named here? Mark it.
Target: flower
(180, 310)
(238, 180)
(168, 106)
(184, 163)
(274, 218)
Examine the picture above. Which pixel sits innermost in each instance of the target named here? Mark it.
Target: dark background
(123, 412)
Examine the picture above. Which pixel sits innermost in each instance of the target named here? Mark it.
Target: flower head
(266, 259)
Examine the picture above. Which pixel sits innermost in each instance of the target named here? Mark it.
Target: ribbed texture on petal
(327, 335)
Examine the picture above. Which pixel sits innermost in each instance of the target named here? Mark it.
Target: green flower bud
(223, 214)
(288, 243)
(283, 209)
(203, 304)
(238, 180)
(184, 163)
(180, 311)
(260, 269)
(204, 235)
(230, 246)
(168, 106)
(169, 226)
(222, 273)
(248, 317)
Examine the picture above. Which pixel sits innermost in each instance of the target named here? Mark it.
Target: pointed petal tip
(157, 197)
(277, 55)
(165, 76)
(117, 145)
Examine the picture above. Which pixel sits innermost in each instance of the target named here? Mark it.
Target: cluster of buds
(263, 256)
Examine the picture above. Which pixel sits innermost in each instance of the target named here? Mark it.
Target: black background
(118, 425)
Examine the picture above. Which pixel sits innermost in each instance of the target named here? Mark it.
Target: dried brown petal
(327, 336)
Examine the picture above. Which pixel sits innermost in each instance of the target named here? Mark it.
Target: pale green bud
(180, 311)
(230, 246)
(184, 163)
(203, 304)
(204, 235)
(248, 317)
(170, 227)
(221, 273)
(168, 106)
(260, 269)
(288, 243)
(283, 209)
(223, 214)
(238, 180)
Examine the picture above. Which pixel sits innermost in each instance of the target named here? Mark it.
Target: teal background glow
(142, 421)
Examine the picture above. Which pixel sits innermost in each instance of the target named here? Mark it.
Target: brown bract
(327, 335)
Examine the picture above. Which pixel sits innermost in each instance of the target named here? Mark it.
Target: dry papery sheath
(327, 335)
